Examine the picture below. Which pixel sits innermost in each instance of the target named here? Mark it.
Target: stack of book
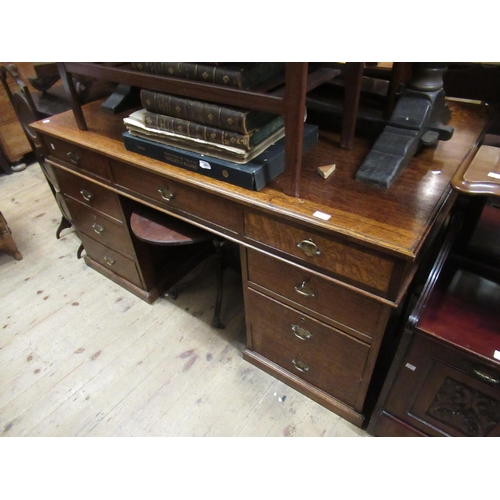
(224, 132)
(208, 136)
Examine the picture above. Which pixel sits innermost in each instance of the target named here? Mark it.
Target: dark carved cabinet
(445, 380)
(442, 391)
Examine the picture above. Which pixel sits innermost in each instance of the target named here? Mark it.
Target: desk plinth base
(321, 397)
(148, 296)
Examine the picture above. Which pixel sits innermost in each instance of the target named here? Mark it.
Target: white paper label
(496, 355)
(205, 164)
(411, 367)
(52, 146)
(321, 215)
(494, 175)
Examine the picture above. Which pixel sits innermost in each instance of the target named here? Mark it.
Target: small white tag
(321, 215)
(496, 355)
(494, 175)
(205, 164)
(52, 146)
(46, 121)
(411, 367)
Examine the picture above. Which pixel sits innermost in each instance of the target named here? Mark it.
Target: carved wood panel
(467, 410)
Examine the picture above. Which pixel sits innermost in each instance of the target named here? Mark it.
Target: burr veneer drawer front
(91, 194)
(334, 301)
(80, 159)
(115, 262)
(101, 228)
(171, 194)
(322, 356)
(367, 269)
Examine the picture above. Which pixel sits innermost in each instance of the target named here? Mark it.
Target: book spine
(212, 115)
(196, 130)
(158, 68)
(207, 73)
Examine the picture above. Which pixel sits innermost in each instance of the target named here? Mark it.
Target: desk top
(396, 219)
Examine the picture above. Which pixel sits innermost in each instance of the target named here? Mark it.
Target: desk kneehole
(166, 193)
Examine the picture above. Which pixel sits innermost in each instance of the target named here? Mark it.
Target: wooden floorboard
(80, 356)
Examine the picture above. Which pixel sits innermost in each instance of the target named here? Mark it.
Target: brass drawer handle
(303, 289)
(97, 228)
(309, 248)
(109, 261)
(486, 377)
(74, 157)
(165, 193)
(301, 333)
(87, 195)
(302, 367)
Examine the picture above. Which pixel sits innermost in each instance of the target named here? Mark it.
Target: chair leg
(219, 264)
(172, 292)
(65, 223)
(80, 251)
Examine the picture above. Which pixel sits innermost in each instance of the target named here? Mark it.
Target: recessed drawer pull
(87, 195)
(309, 248)
(74, 157)
(301, 333)
(165, 193)
(488, 378)
(302, 367)
(109, 261)
(97, 228)
(303, 289)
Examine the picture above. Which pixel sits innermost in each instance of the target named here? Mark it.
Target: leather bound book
(229, 118)
(240, 75)
(136, 126)
(211, 134)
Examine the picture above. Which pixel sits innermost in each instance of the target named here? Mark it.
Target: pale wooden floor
(80, 356)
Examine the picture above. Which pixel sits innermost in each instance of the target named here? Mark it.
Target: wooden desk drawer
(323, 357)
(115, 262)
(354, 264)
(170, 194)
(90, 194)
(101, 228)
(80, 159)
(331, 300)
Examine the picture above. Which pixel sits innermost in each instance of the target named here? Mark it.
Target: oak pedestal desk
(322, 274)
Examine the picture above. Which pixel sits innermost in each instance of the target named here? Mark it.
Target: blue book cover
(253, 175)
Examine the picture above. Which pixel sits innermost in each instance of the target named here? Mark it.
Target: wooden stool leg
(219, 263)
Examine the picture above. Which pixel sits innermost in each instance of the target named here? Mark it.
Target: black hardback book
(253, 175)
(243, 75)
